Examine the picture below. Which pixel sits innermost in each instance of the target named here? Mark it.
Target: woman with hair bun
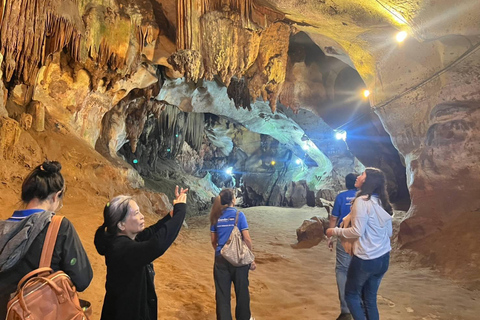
(129, 249)
(371, 226)
(23, 234)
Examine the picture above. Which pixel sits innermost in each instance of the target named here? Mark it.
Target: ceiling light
(341, 135)
(401, 36)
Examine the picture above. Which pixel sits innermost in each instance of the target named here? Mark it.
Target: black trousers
(224, 273)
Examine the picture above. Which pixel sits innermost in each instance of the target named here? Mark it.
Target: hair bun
(51, 167)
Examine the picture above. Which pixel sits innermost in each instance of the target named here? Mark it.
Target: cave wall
(84, 58)
(435, 133)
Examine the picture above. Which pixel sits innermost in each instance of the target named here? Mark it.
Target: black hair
(222, 201)
(375, 182)
(350, 180)
(43, 181)
(115, 211)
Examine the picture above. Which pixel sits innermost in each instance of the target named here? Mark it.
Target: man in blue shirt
(341, 208)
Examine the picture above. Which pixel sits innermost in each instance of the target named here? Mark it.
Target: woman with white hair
(129, 249)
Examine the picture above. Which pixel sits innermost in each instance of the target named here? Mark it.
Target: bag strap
(49, 243)
(237, 213)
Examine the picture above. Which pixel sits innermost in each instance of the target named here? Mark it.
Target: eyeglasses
(60, 206)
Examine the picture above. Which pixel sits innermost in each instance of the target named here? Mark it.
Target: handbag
(46, 295)
(235, 250)
(347, 244)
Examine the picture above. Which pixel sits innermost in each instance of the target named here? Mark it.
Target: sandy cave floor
(289, 283)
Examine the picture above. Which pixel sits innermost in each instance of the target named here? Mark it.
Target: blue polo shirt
(343, 204)
(19, 215)
(225, 224)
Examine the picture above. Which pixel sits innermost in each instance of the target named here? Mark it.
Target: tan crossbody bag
(46, 295)
(235, 250)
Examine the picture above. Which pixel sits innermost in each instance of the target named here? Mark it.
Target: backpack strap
(49, 243)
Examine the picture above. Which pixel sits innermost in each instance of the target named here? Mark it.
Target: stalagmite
(9, 135)
(37, 110)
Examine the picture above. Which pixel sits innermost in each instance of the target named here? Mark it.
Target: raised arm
(137, 253)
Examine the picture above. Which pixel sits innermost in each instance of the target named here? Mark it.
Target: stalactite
(265, 78)
(146, 34)
(231, 45)
(238, 92)
(138, 112)
(194, 129)
(189, 63)
(33, 29)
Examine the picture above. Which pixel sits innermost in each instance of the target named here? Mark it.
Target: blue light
(176, 136)
(135, 161)
(341, 135)
(229, 171)
(299, 161)
(168, 150)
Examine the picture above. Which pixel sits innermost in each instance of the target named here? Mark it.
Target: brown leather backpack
(46, 295)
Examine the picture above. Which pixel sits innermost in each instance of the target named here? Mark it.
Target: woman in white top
(371, 226)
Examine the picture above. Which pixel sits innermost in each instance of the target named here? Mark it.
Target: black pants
(224, 273)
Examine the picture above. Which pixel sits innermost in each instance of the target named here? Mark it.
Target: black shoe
(345, 316)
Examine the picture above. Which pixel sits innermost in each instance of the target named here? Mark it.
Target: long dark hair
(43, 181)
(375, 182)
(221, 202)
(115, 211)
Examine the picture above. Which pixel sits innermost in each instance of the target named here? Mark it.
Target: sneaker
(345, 316)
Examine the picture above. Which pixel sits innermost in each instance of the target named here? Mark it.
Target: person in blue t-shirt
(341, 208)
(222, 221)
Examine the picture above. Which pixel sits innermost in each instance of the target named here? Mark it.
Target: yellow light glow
(401, 36)
(366, 93)
(273, 162)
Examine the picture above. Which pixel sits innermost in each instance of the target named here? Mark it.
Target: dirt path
(288, 284)
(291, 283)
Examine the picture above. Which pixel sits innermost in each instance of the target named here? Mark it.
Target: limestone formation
(10, 131)
(37, 110)
(312, 230)
(92, 69)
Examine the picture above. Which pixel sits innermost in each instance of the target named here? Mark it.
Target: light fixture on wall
(366, 93)
(341, 135)
(401, 36)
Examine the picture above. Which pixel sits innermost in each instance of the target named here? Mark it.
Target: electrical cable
(432, 77)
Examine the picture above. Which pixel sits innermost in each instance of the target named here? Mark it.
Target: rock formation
(169, 89)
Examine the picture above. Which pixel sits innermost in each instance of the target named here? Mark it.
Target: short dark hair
(43, 181)
(350, 180)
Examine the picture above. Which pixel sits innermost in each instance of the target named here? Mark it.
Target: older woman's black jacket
(130, 292)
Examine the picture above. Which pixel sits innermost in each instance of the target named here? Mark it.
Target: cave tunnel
(278, 100)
